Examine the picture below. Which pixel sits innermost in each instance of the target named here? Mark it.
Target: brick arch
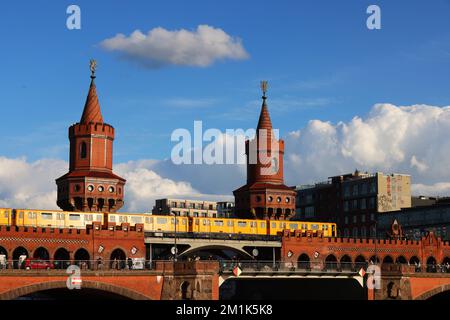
(22, 291)
(115, 248)
(192, 250)
(428, 294)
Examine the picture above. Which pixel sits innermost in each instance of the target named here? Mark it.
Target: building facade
(185, 208)
(354, 200)
(417, 222)
(265, 196)
(225, 209)
(90, 185)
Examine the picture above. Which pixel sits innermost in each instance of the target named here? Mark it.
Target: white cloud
(436, 189)
(29, 185)
(403, 139)
(26, 184)
(161, 47)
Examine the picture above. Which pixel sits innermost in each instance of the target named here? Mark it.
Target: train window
(88, 217)
(99, 218)
(21, 214)
(147, 220)
(183, 222)
(112, 218)
(274, 225)
(136, 219)
(123, 219)
(60, 216)
(230, 223)
(218, 223)
(242, 224)
(253, 224)
(46, 216)
(315, 227)
(283, 225)
(74, 216)
(172, 221)
(293, 226)
(263, 224)
(161, 220)
(6, 214)
(304, 226)
(31, 215)
(196, 222)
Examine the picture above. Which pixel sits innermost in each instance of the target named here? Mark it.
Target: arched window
(83, 150)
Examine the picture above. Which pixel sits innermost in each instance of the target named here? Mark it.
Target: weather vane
(264, 87)
(93, 67)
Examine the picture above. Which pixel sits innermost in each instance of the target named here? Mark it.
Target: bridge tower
(90, 185)
(265, 196)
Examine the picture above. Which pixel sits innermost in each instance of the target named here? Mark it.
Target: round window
(279, 199)
(288, 200)
(77, 187)
(258, 198)
(111, 189)
(101, 188)
(270, 199)
(90, 188)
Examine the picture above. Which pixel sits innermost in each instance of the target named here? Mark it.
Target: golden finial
(93, 67)
(264, 88)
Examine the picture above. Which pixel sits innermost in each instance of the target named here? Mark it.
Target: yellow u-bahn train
(160, 224)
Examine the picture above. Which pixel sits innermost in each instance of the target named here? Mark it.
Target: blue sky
(320, 59)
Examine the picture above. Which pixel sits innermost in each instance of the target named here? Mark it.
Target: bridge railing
(40, 264)
(288, 267)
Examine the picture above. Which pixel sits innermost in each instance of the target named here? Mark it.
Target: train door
(190, 224)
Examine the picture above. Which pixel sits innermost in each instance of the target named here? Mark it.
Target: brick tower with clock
(90, 185)
(265, 196)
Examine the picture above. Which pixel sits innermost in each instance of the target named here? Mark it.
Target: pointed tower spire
(264, 117)
(92, 112)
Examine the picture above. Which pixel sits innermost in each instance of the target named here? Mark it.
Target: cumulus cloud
(161, 47)
(26, 184)
(401, 139)
(144, 185)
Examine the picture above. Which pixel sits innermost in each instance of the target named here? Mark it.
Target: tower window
(83, 150)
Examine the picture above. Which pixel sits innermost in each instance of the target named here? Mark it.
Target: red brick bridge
(409, 269)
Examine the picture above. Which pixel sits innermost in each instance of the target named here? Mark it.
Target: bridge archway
(41, 253)
(118, 258)
(374, 259)
(346, 262)
(401, 260)
(431, 264)
(446, 264)
(303, 262)
(82, 258)
(186, 292)
(414, 260)
(43, 286)
(196, 250)
(4, 252)
(61, 258)
(360, 262)
(17, 253)
(388, 260)
(331, 262)
(444, 289)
